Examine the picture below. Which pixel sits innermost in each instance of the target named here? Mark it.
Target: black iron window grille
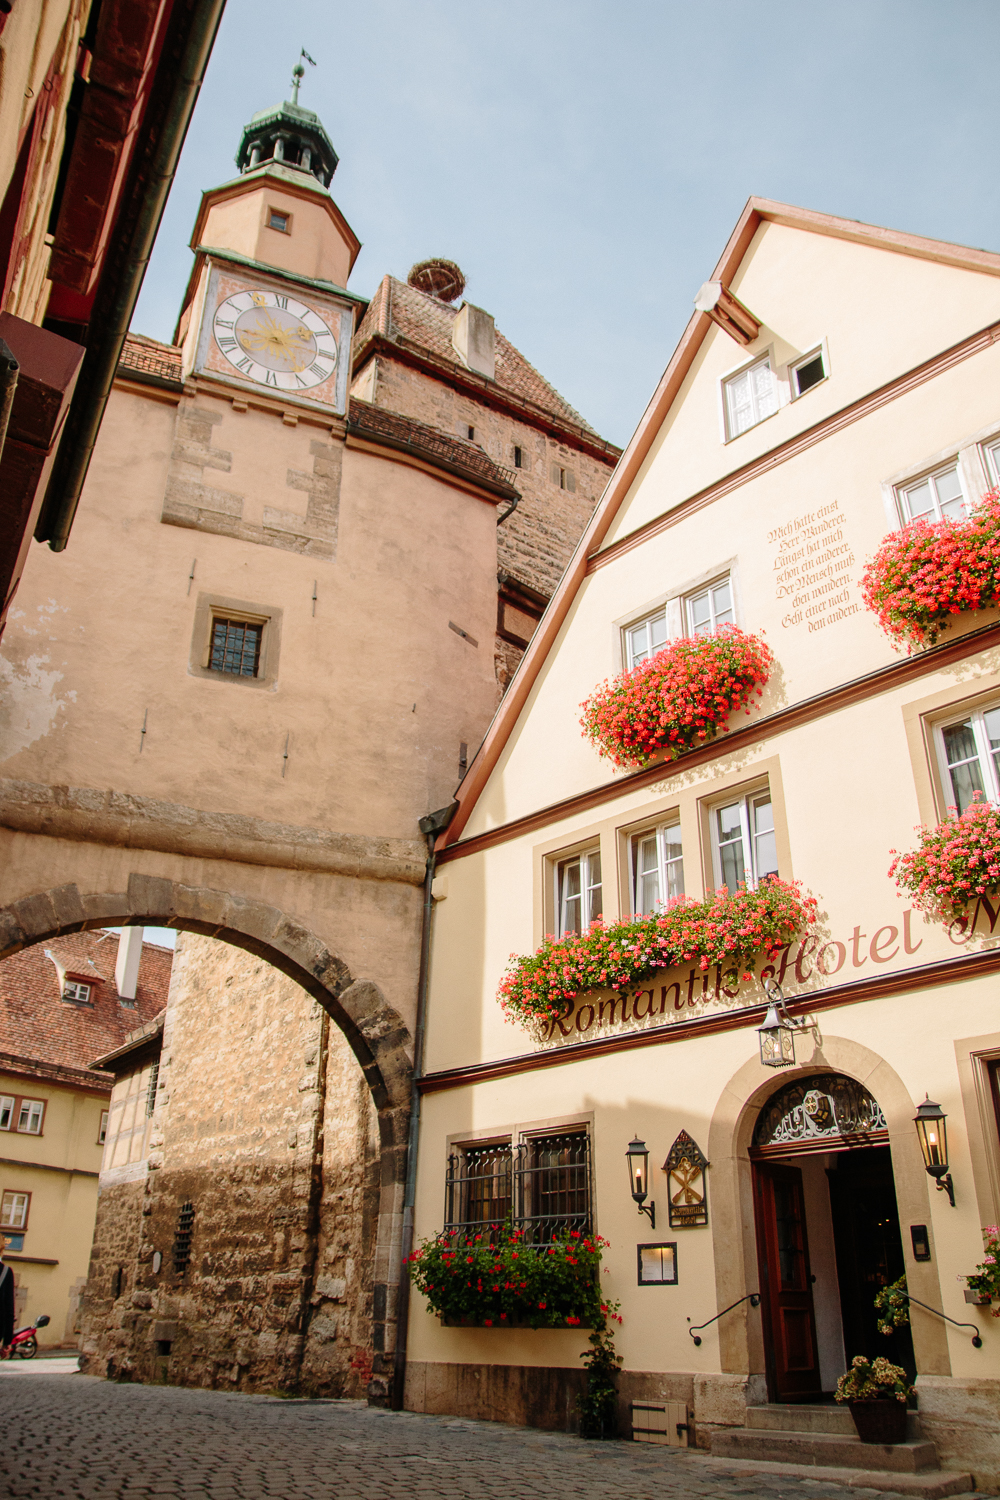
(154, 1078)
(235, 647)
(542, 1186)
(182, 1239)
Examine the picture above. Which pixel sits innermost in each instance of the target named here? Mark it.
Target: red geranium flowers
(956, 862)
(678, 698)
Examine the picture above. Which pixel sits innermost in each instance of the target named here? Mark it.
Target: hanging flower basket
(930, 571)
(727, 929)
(495, 1279)
(678, 698)
(954, 863)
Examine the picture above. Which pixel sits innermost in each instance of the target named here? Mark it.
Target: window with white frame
(744, 848)
(991, 452)
(14, 1210)
(750, 396)
(657, 868)
(578, 892)
(935, 497)
(807, 372)
(6, 1111)
(710, 608)
(102, 1134)
(645, 638)
(75, 989)
(969, 755)
(29, 1119)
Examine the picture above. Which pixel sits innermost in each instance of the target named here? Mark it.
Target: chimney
(474, 338)
(127, 966)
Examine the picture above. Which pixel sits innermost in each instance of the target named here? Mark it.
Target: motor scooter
(24, 1343)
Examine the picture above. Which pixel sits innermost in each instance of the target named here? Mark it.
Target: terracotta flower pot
(882, 1420)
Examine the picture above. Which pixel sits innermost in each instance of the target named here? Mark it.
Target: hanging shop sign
(687, 1201)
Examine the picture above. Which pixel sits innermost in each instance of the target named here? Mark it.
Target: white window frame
(818, 351)
(630, 659)
(730, 379)
(77, 990)
(587, 887)
(102, 1133)
(7, 1102)
(33, 1112)
(14, 1209)
(707, 590)
(750, 835)
(991, 461)
(663, 862)
(931, 476)
(988, 772)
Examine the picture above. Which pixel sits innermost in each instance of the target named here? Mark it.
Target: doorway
(828, 1238)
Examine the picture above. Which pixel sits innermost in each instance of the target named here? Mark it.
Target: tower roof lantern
(289, 134)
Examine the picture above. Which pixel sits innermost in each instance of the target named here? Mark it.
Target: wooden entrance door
(786, 1284)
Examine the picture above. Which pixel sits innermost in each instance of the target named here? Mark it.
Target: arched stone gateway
(375, 1032)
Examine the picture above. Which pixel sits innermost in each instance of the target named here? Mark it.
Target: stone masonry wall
(265, 1126)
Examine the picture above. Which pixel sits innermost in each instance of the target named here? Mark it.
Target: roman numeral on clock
(224, 322)
(225, 344)
(244, 364)
(319, 371)
(270, 378)
(280, 301)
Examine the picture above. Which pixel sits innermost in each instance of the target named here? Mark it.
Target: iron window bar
(235, 647)
(541, 1186)
(752, 1297)
(977, 1342)
(183, 1237)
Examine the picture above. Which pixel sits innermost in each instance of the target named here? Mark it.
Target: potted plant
(929, 572)
(678, 698)
(877, 1393)
(893, 1307)
(725, 928)
(955, 863)
(984, 1282)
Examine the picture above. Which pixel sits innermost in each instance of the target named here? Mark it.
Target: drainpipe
(434, 824)
(113, 314)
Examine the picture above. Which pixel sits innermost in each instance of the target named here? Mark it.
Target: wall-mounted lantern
(637, 1160)
(932, 1133)
(777, 1034)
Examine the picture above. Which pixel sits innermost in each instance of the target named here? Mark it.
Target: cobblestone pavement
(75, 1435)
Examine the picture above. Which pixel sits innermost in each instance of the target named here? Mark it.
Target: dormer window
(277, 221)
(76, 989)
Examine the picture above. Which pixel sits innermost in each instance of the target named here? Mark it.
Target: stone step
(930, 1484)
(832, 1450)
(830, 1418)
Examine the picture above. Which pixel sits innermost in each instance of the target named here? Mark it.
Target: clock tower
(267, 307)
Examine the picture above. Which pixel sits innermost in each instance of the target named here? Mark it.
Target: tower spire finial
(298, 73)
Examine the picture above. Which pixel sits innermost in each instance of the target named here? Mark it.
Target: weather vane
(298, 73)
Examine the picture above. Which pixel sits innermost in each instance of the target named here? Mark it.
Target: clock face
(275, 340)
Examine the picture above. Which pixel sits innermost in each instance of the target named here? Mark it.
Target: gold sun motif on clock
(275, 340)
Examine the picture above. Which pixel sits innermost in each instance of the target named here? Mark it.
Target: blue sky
(585, 163)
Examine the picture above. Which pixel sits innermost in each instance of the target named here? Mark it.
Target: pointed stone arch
(375, 1032)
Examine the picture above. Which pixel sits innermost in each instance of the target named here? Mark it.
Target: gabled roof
(147, 359)
(411, 319)
(756, 212)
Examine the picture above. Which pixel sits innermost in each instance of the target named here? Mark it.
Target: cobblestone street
(75, 1435)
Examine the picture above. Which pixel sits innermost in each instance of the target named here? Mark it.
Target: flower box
(955, 862)
(726, 929)
(924, 575)
(978, 1299)
(678, 698)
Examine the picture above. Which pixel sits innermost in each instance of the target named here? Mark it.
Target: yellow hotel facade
(834, 381)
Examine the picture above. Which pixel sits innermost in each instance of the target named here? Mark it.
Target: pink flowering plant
(724, 928)
(931, 570)
(986, 1277)
(496, 1279)
(955, 862)
(678, 698)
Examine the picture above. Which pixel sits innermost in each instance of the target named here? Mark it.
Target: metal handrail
(977, 1342)
(752, 1297)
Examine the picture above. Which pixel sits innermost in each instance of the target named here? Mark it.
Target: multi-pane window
(645, 639)
(808, 372)
(6, 1111)
(710, 607)
(750, 397)
(74, 989)
(936, 497)
(992, 454)
(29, 1119)
(657, 868)
(541, 1186)
(744, 848)
(154, 1078)
(578, 892)
(235, 647)
(102, 1134)
(14, 1210)
(970, 756)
